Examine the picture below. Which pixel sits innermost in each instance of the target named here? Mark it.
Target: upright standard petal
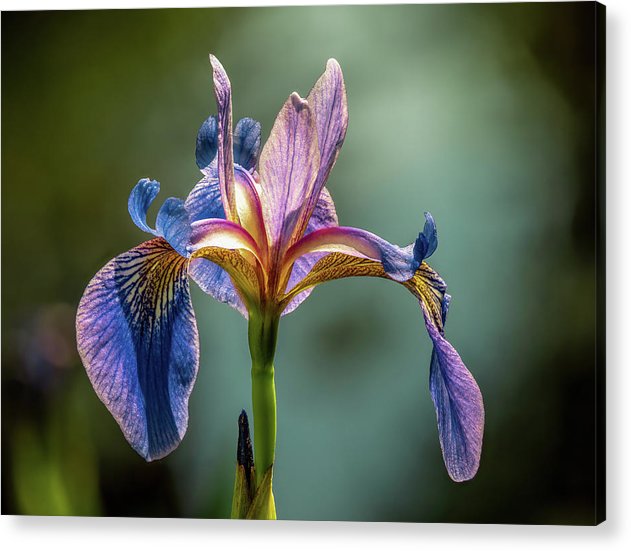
(456, 396)
(288, 167)
(327, 100)
(137, 338)
(225, 161)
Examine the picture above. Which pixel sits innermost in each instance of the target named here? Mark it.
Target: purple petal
(459, 407)
(222, 242)
(247, 143)
(249, 209)
(137, 338)
(288, 167)
(204, 201)
(206, 144)
(216, 232)
(427, 241)
(324, 216)
(216, 282)
(456, 396)
(399, 263)
(172, 221)
(245, 149)
(140, 199)
(173, 224)
(327, 100)
(225, 162)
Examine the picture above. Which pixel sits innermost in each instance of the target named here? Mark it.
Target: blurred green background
(481, 114)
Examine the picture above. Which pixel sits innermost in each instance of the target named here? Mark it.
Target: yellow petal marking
(426, 284)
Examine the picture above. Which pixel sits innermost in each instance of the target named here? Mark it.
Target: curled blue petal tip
(172, 221)
(140, 199)
(427, 241)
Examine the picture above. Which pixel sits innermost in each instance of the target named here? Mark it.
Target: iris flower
(257, 232)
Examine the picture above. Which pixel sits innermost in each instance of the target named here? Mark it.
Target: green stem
(262, 332)
(264, 406)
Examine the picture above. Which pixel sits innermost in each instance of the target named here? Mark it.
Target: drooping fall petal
(456, 396)
(398, 262)
(459, 407)
(327, 100)
(137, 338)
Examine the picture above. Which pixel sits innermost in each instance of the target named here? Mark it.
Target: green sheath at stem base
(249, 501)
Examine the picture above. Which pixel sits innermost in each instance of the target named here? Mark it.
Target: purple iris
(258, 232)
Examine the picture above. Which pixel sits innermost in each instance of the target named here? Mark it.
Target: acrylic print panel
(471, 157)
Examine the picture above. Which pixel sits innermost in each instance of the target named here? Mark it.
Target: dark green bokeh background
(481, 114)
